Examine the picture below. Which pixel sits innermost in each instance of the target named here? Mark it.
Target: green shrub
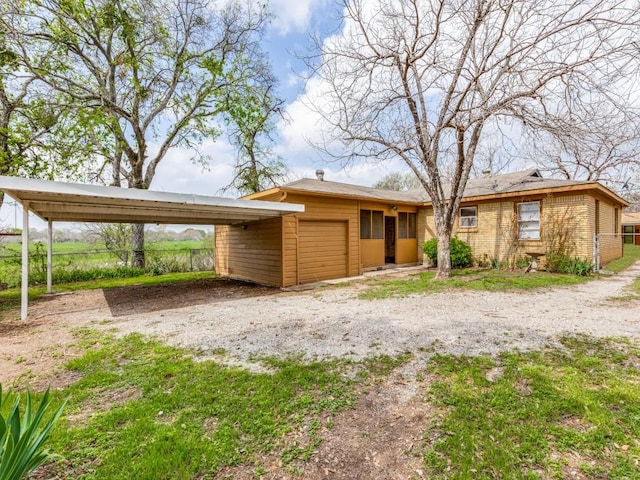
(459, 250)
(582, 267)
(430, 248)
(567, 264)
(22, 438)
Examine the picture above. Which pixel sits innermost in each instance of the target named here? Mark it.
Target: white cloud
(294, 15)
(292, 80)
(177, 173)
(363, 173)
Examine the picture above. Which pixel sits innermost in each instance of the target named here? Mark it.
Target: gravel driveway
(244, 321)
(335, 323)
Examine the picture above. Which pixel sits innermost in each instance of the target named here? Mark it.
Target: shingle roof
(631, 218)
(346, 189)
(476, 187)
(515, 182)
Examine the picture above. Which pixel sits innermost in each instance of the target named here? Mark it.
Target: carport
(75, 202)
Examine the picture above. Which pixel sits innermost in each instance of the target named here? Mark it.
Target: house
(347, 229)
(523, 214)
(631, 227)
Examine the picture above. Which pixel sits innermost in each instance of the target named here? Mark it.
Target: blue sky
(289, 34)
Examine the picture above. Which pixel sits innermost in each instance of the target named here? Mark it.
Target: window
(468, 217)
(377, 224)
(371, 224)
(406, 225)
(529, 221)
(365, 224)
(627, 231)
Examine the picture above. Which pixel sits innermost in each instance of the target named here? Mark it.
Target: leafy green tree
(116, 238)
(251, 117)
(36, 129)
(154, 75)
(398, 181)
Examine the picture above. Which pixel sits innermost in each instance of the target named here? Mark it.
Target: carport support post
(25, 260)
(49, 256)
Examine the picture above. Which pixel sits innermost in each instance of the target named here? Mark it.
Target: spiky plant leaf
(22, 438)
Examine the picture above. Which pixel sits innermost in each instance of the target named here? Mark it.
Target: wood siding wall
(253, 253)
(372, 251)
(495, 236)
(306, 253)
(319, 209)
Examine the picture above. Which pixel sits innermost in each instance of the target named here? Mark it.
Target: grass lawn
(142, 409)
(631, 255)
(77, 261)
(145, 410)
(540, 415)
(488, 280)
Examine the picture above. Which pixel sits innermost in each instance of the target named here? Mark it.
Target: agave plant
(22, 438)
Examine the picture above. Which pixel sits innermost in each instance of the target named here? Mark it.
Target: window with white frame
(529, 221)
(468, 217)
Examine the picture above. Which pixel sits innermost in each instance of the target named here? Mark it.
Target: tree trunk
(443, 234)
(137, 229)
(444, 256)
(137, 245)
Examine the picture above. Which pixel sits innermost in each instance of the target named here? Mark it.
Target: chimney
(486, 173)
(320, 174)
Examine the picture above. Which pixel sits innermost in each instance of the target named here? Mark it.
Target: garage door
(322, 246)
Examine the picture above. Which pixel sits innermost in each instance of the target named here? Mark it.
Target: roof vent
(320, 174)
(486, 173)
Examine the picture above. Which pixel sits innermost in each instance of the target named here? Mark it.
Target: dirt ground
(380, 438)
(36, 350)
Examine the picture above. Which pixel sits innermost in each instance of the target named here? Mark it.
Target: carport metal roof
(75, 202)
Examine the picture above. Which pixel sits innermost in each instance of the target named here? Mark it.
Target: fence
(88, 264)
(626, 239)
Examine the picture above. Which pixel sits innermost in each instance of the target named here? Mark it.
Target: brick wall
(495, 236)
(609, 228)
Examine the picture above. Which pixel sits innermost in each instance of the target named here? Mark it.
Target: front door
(389, 239)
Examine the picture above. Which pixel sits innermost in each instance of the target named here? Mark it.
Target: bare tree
(423, 79)
(116, 238)
(594, 138)
(153, 75)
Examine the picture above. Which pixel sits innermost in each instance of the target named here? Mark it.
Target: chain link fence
(83, 265)
(604, 241)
